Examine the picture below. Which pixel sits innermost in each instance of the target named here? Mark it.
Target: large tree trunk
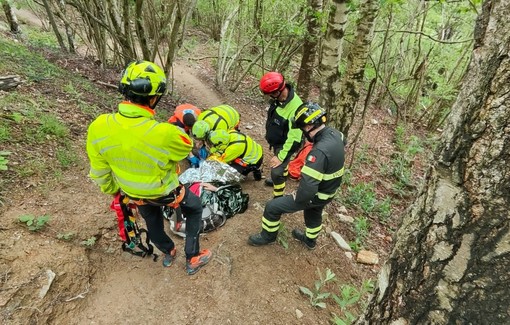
(451, 260)
(331, 52)
(310, 48)
(11, 18)
(344, 109)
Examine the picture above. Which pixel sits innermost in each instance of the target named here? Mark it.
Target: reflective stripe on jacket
(131, 151)
(279, 132)
(240, 146)
(223, 117)
(322, 173)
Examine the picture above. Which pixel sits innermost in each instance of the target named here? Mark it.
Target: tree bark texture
(331, 52)
(451, 260)
(343, 111)
(11, 18)
(310, 48)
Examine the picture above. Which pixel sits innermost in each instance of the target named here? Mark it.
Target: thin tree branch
(426, 35)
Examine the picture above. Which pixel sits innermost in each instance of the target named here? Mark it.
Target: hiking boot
(196, 262)
(268, 182)
(260, 240)
(300, 235)
(169, 258)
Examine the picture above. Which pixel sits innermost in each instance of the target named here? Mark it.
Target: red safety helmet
(271, 82)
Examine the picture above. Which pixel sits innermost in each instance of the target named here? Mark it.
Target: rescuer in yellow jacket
(222, 117)
(237, 150)
(131, 152)
(321, 177)
(282, 138)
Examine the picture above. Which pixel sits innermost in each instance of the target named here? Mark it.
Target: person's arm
(311, 176)
(291, 144)
(100, 171)
(178, 143)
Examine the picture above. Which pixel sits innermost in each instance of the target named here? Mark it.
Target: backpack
(211, 219)
(131, 234)
(218, 206)
(298, 162)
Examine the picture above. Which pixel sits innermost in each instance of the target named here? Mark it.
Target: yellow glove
(215, 157)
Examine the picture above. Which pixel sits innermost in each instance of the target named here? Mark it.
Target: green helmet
(200, 129)
(218, 138)
(143, 78)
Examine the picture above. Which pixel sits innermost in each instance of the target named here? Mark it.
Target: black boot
(262, 238)
(300, 235)
(268, 182)
(257, 174)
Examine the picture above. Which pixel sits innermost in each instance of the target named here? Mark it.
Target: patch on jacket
(311, 158)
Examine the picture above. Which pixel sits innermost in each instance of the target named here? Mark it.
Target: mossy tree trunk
(332, 51)
(11, 17)
(310, 48)
(451, 260)
(343, 111)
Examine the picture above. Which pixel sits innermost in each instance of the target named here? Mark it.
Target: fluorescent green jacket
(131, 151)
(223, 117)
(240, 146)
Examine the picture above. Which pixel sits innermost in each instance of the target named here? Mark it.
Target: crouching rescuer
(321, 177)
(237, 150)
(130, 152)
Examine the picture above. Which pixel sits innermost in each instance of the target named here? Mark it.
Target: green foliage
(34, 223)
(17, 59)
(89, 242)
(316, 295)
(66, 236)
(361, 229)
(283, 236)
(66, 156)
(3, 160)
(400, 165)
(50, 125)
(4, 133)
(362, 196)
(349, 300)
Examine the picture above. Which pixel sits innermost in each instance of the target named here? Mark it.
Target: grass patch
(16, 59)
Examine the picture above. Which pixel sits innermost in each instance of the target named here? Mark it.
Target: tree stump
(9, 82)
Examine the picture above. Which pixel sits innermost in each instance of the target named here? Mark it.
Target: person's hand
(275, 162)
(209, 187)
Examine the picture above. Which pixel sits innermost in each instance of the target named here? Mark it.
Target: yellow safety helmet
(218, 138)
(143, 78)
(200, 129)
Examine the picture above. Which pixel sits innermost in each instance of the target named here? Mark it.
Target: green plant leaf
(323, 295)
(306, 291)
(26, 217)
(320, 305)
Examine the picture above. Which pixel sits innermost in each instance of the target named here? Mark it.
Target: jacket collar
(129, 109)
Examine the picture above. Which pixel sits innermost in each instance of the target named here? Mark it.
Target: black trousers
(191, 208)
(312, 211)
(245, 170)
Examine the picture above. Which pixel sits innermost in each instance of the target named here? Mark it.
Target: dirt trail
(103, 285)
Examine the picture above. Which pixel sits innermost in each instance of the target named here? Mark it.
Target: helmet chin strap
(307, 133)
(153, 105)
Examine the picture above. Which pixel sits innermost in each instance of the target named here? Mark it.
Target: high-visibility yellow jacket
(223, 117)
(240, 146)
(131, 151)
(279, 131)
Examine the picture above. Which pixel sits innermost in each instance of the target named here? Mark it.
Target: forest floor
(100, 284)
